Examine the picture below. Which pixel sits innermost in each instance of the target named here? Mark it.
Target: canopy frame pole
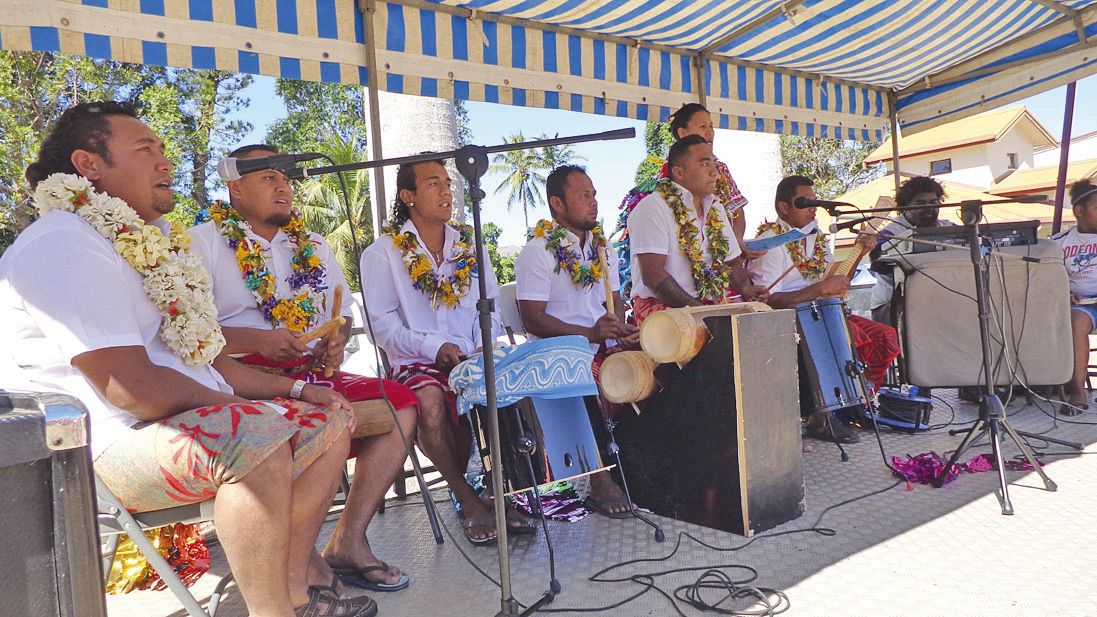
(1064, 157)
(893, 116)
(368, 7)
(699, 62)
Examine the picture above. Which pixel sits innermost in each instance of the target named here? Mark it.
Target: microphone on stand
(230, 168)
(804, 203)
(835, 227)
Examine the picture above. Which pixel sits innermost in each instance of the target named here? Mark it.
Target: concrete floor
(895, 551)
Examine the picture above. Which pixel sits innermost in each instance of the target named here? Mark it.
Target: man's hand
(281, 345)
(832, 286)
(319, 395)
(329, 350)
(609, 327)
(631, 341)
(865, 243)
(755, 293)
(449, 356)
(749, 254)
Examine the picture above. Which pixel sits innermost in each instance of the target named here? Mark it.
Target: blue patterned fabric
(557, 367)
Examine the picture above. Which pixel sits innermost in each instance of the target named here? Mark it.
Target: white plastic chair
(508, 310)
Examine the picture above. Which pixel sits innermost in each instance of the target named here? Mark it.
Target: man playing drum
(683, 250)
(798, 272)
(101, 298)
(420, 279)
(561, 290)
(273, 281)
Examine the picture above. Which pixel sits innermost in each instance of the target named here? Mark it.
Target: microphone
(804, 203)
(835, 227)
(230, 168)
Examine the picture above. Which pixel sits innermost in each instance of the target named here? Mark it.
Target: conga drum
(627, 377)
(826, 349)
(677, 335)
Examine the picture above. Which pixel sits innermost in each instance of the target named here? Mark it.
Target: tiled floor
(903, 552)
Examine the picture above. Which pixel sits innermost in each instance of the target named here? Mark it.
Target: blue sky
(612, 164)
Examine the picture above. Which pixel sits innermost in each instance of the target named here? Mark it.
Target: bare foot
(359, 558)
(320, 575)
(605, 491)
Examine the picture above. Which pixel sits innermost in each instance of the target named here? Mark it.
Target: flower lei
(812, 268)
(712, 281)
(299, 312)
(174, 279)
(569, 260)
(440, 288)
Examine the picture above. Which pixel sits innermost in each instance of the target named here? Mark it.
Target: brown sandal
(323, 604)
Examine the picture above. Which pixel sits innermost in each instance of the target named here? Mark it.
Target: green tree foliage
(524, 180)
(325, 211)
(834, 165)
(503, 266)
(319, 115)
(657, 142)
(188, 109)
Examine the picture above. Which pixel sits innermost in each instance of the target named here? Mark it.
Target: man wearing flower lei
(421, 292)
(683, 251)
(690, 119)
(561, 291)
(876, 343)
(272, 281)
(101, 299)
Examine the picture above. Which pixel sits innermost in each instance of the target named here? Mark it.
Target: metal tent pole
(1064, 158)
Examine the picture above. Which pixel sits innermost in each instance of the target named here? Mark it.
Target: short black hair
(83, 127)
(1081, 192)
(786, 188)
(405, 179)
(558, 180)
(245, 150)
(680, 149)
(914, 186)
(680, 119)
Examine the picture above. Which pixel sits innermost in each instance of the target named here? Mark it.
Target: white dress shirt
(652, 229)
(766, 269)
(65, 291)
(535, 270)
(236, 304)
(406, 326)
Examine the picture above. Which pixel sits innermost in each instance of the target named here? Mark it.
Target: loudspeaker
(719, 445)
(1030, 318)
(49, 538)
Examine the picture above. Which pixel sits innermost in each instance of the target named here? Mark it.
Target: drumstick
(322, 331)
(605, 281)
(338, 301)
(778, 279)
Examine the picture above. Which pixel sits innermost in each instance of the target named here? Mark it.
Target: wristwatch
(297, 389)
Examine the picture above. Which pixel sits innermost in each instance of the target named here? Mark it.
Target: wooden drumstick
(322, 331)
(778, 279)
(338, 302)
(602, 259)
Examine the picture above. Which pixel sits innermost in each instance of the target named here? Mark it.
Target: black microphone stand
(472, 163)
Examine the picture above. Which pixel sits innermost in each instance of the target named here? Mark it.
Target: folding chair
(115, 520)
(508, 310)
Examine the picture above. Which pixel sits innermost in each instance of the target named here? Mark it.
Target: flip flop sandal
(602, 506)
(477, 524)
(323, 604)
(520, 524)
(357, 577)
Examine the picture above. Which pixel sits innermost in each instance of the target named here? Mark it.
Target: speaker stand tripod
(992, 416)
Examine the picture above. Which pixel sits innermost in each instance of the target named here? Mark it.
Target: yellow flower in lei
(811, 268)
(712, 281)
(303, 309)
(442, 290)
(174, 279)
(569, 260)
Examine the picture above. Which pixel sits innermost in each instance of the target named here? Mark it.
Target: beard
(279, 220)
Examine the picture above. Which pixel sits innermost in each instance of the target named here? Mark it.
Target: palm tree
(551, 157)
(524, 180)
(321, 203)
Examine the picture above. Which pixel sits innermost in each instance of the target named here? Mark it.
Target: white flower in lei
(175, 280)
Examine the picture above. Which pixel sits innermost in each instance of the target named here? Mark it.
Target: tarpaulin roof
(805, 67)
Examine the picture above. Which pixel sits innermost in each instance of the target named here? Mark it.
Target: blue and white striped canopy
(806, 67)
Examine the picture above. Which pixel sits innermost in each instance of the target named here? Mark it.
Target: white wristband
(297, 389)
